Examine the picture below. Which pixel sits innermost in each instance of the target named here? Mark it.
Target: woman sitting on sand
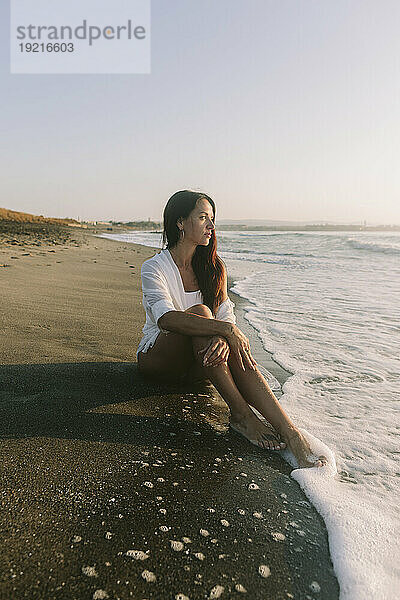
(190, 325)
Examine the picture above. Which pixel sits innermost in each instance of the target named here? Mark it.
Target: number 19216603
(49, 47)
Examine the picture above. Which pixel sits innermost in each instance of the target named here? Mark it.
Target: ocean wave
(277, 259)
(262, 252)
(372, 246)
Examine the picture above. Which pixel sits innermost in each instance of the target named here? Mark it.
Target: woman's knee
(200, 309)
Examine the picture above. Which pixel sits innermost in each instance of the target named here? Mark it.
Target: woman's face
(199, 225)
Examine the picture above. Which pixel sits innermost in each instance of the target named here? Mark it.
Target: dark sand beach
(116, 487)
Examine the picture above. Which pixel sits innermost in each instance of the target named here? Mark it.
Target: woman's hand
(240, 348)
(216, 352)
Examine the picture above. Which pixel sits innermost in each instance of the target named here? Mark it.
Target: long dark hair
(207, 265)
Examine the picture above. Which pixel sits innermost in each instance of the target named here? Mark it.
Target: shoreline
(98, 461)
(263, 356)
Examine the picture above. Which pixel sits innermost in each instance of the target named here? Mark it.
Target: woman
(190, 324)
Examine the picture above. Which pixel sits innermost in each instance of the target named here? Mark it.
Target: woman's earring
(182, 234)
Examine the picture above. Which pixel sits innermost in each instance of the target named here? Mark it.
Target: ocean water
(327, 305)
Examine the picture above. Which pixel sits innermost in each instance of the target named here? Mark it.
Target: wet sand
(116, 487)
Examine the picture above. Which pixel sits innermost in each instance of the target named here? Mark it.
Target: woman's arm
(238, 343)
(196, 325)
(190, 324)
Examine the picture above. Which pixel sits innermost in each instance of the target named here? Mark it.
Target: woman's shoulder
(154, 263)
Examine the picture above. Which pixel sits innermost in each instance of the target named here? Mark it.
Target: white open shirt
(163, 291)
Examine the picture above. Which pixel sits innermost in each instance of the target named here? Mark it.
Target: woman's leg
(243, 418)
(168, 359)
(256, 391)
(250, 386)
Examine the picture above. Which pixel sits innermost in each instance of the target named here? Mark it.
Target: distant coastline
(309, 228)
(157, 227)
(13, 217)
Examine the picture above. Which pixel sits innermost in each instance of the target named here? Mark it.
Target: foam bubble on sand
(241, 511)
(76, 539)
(315, 587)
(257, 515)
(90, 571)
(187, 540)
(108, 535)
(216, 592)
(148, 576)
(181, 597)
(253, 486)
(204, 532)
(177, 546)
(164, 528)
(264, 571)
(138, 554)
(224, 522)
(199, 555)
(240, 588)
(278, 537)
(148, 484)
(100, 595)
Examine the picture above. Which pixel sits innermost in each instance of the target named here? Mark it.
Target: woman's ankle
(289, 432)
(238, 416)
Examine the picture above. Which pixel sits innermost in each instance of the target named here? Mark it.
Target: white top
(163, 291)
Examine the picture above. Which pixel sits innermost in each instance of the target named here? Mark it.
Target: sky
(278, 109)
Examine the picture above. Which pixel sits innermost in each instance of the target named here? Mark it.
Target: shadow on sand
(61, 400)
(98, 460)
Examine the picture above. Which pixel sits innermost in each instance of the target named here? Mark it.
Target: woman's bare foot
(259, 434)
(299, 446)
